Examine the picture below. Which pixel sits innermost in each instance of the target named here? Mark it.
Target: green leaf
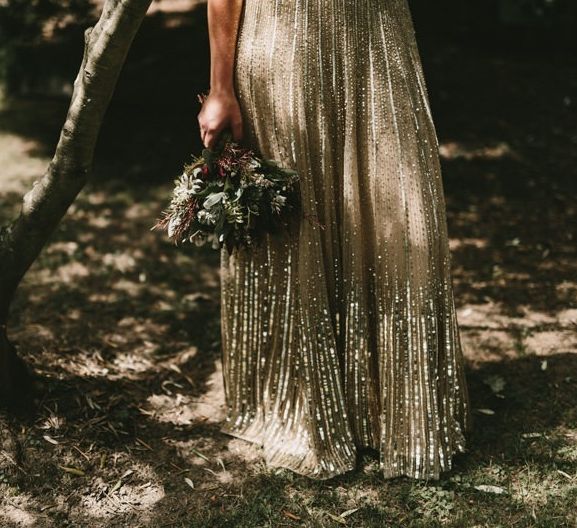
(207, 156)
(72, 471)
(228, 186)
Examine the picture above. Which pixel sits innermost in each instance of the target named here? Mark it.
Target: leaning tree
(106, 46)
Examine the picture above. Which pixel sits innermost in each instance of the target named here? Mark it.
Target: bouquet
(230, 197)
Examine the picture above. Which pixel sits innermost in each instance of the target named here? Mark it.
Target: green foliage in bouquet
(230, 197)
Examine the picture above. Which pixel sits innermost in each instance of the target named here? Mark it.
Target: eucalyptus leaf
(213, 199)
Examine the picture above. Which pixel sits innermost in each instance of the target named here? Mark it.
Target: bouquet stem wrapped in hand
(230, 197)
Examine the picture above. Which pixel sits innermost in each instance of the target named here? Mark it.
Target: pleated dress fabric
(343, 334)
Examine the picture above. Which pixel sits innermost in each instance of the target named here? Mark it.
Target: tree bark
(43, 207)
(15, 380)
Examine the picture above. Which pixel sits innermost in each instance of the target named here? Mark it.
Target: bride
(343, 336)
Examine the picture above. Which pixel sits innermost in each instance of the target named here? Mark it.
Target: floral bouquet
(230, 197)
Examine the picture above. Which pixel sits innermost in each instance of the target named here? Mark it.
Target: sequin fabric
(344, 334)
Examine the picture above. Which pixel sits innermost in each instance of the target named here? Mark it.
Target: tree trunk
(15, 380)
(105, 48)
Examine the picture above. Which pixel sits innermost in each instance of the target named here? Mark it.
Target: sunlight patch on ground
(488, 334)
(131, 288)
(353, 497)
(124, 365)
(68, 273)
(89, 364)
(567, 317)
(552, 342)
(458, 243)
(143, 211)
(453, 150)
(219, 460)
(71, 271)
(68, 248)
(532, 488)
(202, 452)
(567, 291)
(100, 222)
(134, 490)
(249, 452)
(132, 362)
(211, 464)
(568, 453)
(481, 346)
(489, 475)
(121, 261)
(19, 166)
(127, 500)
(491, 315)
(15, 513)
(179, 409)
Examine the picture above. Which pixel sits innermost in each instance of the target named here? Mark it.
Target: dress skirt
(343, 334)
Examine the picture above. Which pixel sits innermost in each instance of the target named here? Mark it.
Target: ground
(122, 328)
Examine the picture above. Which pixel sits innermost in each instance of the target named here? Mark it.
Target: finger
(214, 135)
(209, 140)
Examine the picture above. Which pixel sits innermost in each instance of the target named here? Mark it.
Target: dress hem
(387, 475)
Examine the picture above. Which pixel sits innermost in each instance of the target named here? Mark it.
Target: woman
(344, 336)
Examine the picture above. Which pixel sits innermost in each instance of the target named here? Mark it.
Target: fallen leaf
(337, 518)
(544, 364)
(198, 453)
(531, 435)
(116, 487)
(488, 488)
(486, 411)
(72, 471)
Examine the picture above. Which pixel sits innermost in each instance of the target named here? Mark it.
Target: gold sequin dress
(344, 335)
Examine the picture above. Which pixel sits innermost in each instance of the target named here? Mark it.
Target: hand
(220, 110)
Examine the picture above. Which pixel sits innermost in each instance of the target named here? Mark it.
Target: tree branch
(105, 48)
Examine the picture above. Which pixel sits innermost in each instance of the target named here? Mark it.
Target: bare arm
(221, 110)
